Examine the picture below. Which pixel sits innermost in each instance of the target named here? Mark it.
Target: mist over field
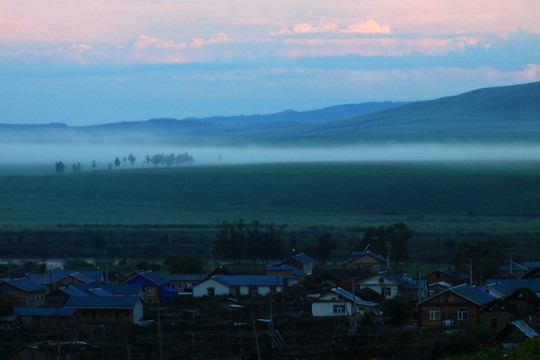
(103, 154)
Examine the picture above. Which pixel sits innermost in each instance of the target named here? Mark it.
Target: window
(435, 314)
(211, 291)
(463, 314)
(386, 291)
(149, 291)
(253, 291)
(235, 291)
(272, 290)
(339, 309)
(125, 314)
(173, 285)
(376, 267)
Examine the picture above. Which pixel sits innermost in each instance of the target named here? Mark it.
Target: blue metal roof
(152, 277)
(296, 271)
(115, 289)
(63, 312)
(101, 302)
(525, 328)
(185, 277)
(501, 289)
(25, 285)
(532, 264)
(249, 280)
(359, 254)
(54, 276)
(513, 284)
(514, 266)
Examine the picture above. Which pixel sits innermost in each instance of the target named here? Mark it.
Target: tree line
(155, 160)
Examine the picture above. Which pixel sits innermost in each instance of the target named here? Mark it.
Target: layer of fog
(20, 154)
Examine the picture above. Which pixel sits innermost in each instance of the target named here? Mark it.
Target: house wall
(448, 305)
(438, 276)
(368, 263)
(104, 316)
(326, 308)
(201, 289)
(22, 299)
(379, 284)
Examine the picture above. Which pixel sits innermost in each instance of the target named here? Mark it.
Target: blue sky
(90, 62)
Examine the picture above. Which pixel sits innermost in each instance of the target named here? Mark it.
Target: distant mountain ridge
(514, 108)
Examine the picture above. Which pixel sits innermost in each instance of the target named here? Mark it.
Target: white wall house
(383, 283)
(339, 302)
(235, 285)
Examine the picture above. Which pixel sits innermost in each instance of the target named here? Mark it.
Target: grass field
(180, 209)
(297, 194)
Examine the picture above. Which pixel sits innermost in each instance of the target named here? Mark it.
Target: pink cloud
(200, 42)
(145, 41)
(363, 27)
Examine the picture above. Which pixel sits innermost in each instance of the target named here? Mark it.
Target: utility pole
(470, 271)
(388, 246)
(272, 335)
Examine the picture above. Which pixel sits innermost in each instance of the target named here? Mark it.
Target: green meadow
(142, 210)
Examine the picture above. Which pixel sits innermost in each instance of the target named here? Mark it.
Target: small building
(45, 318)
(512, 270)
(498, 290)
(339, 302)
(184, 283)
(22, 293)
(366, 260)
(152, 285)
(301, 261)
(106, 309)
(339, 278)
(460, 305)
(449, 274)
(237, 285)
(386, 284)
(54, 279)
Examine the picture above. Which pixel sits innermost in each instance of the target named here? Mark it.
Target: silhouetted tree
(117, 162)
(94, 164)
(59, 167)
(132, 159)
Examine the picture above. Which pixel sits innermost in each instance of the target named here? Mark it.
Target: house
(386, 284)
(366, 260)
(54, 279)
(521, 303)
(236, 285)
(516, 332)
(339, 278)
(22, 292)
(460, 305)
(105, 309)
(292, 275)
(497, 289)
(45, 318)
(449, 274)
(184, 283)
(438, 287)
(153, 285)
(59, 297)
(301, 261)
(339, 302)
(512, 270)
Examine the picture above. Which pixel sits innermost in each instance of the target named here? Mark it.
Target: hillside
(498, 109)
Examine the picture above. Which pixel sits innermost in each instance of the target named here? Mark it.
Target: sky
(84, 62)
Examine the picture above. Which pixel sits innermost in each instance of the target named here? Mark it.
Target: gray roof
(249, 280)
(473, 294)
(101, 302)
(500, 288)
(54, 276)
(352, 298)
(525, 328)
(25, 285)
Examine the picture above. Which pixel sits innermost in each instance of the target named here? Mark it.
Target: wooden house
(366, 260)
(458, 306)
(154, 285)
(339, 278)
(184, 283)
(22, 292)
(449, 274)
(512, 270)
(54, 279)
(301, 261)
(45, 318)
(105, 309)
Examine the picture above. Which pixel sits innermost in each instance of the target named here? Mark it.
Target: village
(289, 309)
